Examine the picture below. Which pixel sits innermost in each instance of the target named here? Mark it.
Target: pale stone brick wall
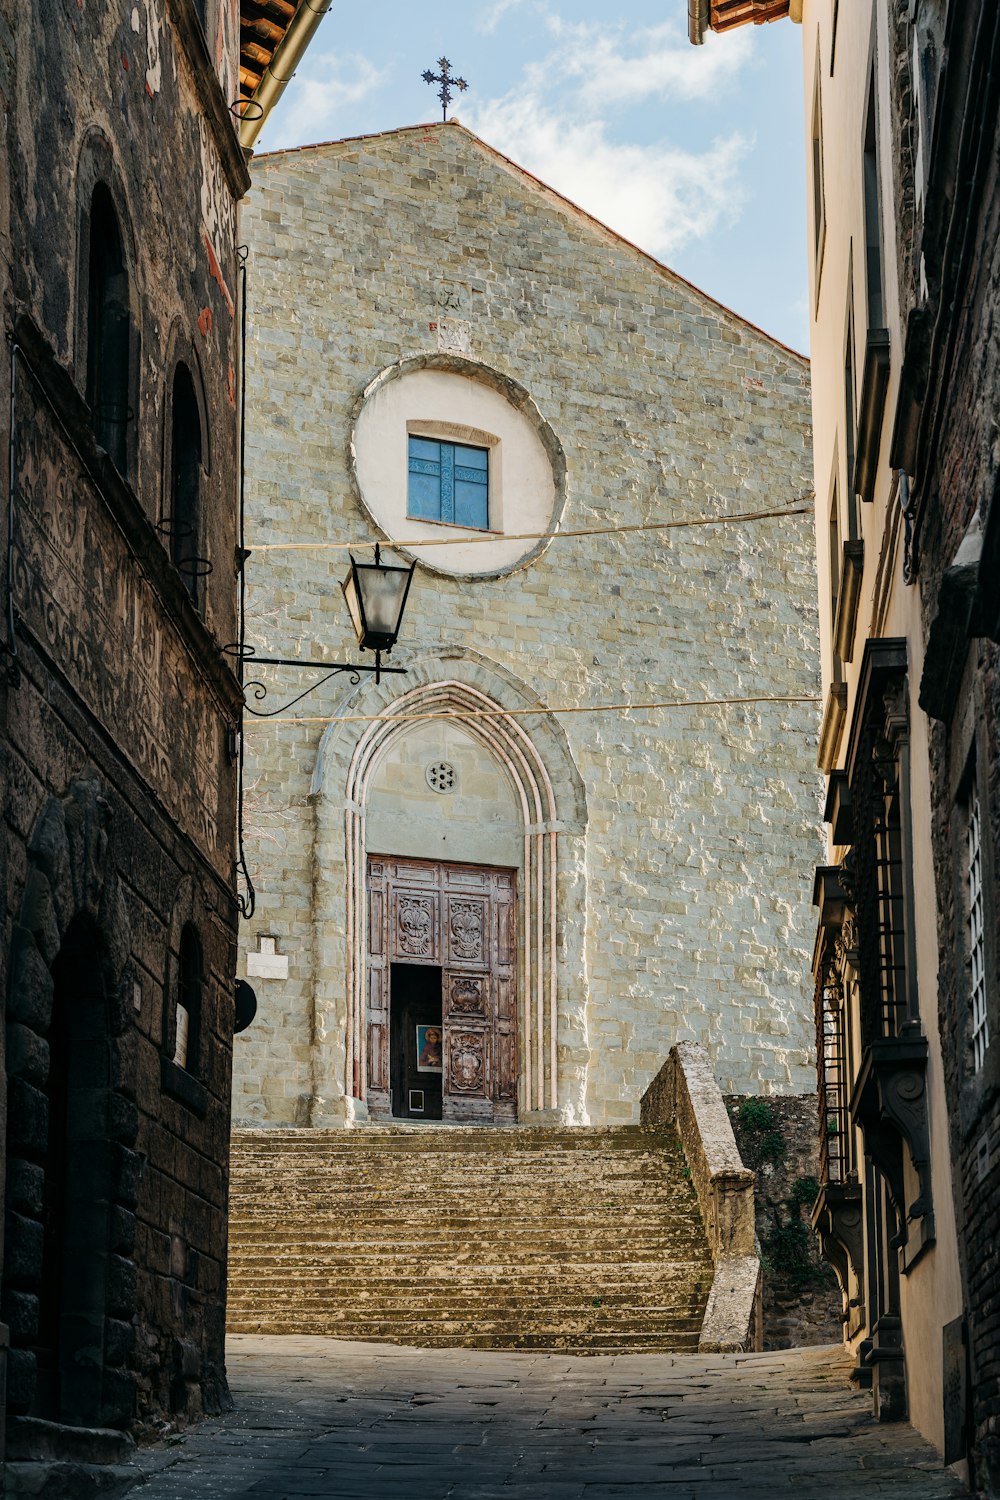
(685, 905)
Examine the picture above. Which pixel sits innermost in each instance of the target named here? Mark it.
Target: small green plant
(786, 1253)
(771, 1147)
(757, 1115)
(804, 1193)
(765, 1142)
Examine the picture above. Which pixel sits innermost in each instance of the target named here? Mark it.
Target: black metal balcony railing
(891, 916)
(880, 889)
(831, 1057)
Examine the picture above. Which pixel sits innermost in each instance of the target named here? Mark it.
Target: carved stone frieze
(849, 934)
(849, 880)
(845, 946)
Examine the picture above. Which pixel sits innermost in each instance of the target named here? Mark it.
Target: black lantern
(376, 597)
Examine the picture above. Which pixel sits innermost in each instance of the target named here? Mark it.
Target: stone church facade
(487, 891)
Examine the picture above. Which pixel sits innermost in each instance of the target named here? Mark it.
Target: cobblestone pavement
(317, 1417)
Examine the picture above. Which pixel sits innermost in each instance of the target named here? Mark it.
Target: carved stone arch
(508, 720)
(426, 667)
(68, 1009)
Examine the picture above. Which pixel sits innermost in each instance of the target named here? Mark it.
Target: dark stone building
(120, 175)
(948, 92)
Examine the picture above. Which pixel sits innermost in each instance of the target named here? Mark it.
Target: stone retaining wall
(686, 1095)
(777, 1138)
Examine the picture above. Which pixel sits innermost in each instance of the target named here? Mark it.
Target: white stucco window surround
(447, 397)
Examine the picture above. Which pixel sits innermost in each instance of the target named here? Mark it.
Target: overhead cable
(541, 709)
(496, 537)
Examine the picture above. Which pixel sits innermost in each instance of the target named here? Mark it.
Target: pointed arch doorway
(492, 823)
(442, 995)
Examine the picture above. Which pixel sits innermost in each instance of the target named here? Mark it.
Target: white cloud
(659, 196)
(556, 123)
(325, 84)
(491, 17)
(659, 62)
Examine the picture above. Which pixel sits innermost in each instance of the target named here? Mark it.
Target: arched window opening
(185, 485)
(187, 1030)
(108, 329)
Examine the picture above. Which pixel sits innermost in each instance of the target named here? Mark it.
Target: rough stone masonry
(686, 836)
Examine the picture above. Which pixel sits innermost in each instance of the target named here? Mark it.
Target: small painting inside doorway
(429, 1049)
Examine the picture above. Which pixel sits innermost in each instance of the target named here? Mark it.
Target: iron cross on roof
(447, 82)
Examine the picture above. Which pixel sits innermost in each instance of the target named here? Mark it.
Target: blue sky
(696, 154)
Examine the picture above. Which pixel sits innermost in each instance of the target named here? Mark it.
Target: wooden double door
(442, 991)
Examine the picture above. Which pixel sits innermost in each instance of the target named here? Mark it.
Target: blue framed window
(448, 482)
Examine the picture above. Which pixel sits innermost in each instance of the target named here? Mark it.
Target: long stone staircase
(532, 1238)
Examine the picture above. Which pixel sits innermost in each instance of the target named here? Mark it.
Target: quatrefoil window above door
(441, 776)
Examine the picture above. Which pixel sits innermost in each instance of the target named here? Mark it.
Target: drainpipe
(697, 20)
(279, 71)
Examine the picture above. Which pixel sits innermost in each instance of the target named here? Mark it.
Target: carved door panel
(504, 976)
(467, 930)
(468, 955)
(460, 919)
(468, 1028)
(378, 989)
(468, 1073)
(414, 926)
(466, 998)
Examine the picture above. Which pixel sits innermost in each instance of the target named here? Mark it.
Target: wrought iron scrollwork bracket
(248, 655)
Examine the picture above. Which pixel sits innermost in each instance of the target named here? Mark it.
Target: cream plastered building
(904, 1298)
(489, 858)
(885, 1211)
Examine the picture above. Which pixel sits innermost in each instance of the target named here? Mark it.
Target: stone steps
(467, 1234)
(483, 1238)
(673, 1298)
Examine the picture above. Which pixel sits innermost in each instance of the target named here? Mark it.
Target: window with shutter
(448, 482)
